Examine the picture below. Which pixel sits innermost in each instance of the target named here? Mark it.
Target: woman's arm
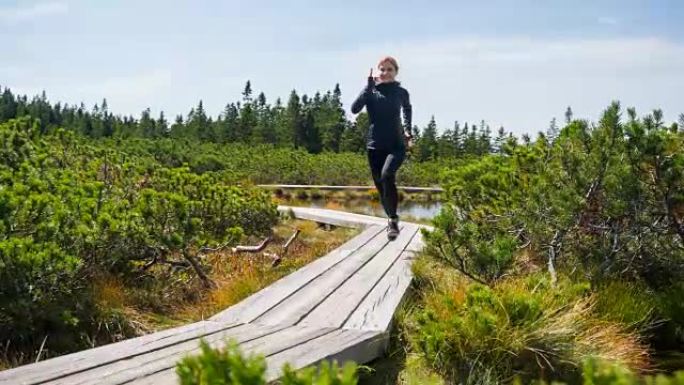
(362, 99)
(408, 113)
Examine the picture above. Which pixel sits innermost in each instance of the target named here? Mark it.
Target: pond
(410, 210)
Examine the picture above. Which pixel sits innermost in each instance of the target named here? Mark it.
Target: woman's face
(387, 72)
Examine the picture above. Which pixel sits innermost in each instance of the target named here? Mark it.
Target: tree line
(316, 124)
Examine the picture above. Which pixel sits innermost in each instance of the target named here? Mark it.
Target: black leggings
(384, 165)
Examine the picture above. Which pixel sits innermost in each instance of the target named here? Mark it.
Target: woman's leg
(376, 160)
(388, 181)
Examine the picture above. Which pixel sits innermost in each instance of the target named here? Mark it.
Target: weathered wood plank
(125, 370)
(417, 243)
(83, 360)
(342, 345)
(256, 304)
(294, 308)
(338, 307)
(333, 217)
(377, 309)
(266, 346)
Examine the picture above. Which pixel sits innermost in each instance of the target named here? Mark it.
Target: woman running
(387, 140)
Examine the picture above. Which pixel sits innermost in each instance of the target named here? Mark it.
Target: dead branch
(290, 240)
(252, 249)
(208, 283)
(276, 259)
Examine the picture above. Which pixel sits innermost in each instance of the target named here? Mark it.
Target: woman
(383, 97)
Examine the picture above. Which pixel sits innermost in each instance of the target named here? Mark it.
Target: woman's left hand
(408, 140)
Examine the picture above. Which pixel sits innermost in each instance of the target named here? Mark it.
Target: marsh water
(408, 209)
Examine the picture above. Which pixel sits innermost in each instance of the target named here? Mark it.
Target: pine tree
(427, 144)
(484, 141)
(445, 144)
(8, 106)
(568, 115)
(146, 125)
(292, 120)
(312, 137)
(331, 119)
(198, 124)
(178, 128)
(552, 131)
(162, 126)
(526, 138)
(354, 137)
(500, 140)
(228, 123)
(458, 139)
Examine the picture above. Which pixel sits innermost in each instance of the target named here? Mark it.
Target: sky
(515, 64)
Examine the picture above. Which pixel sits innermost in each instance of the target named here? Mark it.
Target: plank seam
(294, 344)
(379, 280)
(343, 282)
(315, 277)
(134, 355)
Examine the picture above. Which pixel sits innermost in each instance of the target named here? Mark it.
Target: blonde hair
(391, 60)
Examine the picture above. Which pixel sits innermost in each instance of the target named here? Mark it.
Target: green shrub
(72, 210)
(601, 372)
(229, 366)
(519, 326)
(42, 292)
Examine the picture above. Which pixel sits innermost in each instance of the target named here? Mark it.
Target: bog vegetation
(558, 258)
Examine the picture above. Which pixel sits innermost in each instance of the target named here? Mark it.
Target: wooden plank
(377, 309)
(266, 346)
(342, 345)
(338, 307)
(417, 243)
(297, 306)
(333, 217)
(83, 360)
(354, 188)
(125, 370)
(256, 304)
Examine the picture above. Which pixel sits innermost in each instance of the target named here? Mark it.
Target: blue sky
(512, 63)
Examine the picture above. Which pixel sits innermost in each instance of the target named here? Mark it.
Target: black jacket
(383, 102)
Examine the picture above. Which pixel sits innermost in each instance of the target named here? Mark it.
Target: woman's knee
(387, 177)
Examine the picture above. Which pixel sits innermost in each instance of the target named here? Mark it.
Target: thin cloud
(607, 20)
(521, 83)
(20, 13)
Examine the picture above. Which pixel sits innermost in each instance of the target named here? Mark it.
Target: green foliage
(522, 326)
(608, 198)
(601, 372)
(601, 203)
(72, 209)
(478, 249)
(235, 163)
(229, 366)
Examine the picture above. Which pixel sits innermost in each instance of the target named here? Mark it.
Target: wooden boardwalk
(338, 307)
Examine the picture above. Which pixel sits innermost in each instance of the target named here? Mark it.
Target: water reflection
(418, 210)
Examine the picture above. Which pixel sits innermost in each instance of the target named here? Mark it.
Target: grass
(237, 275)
